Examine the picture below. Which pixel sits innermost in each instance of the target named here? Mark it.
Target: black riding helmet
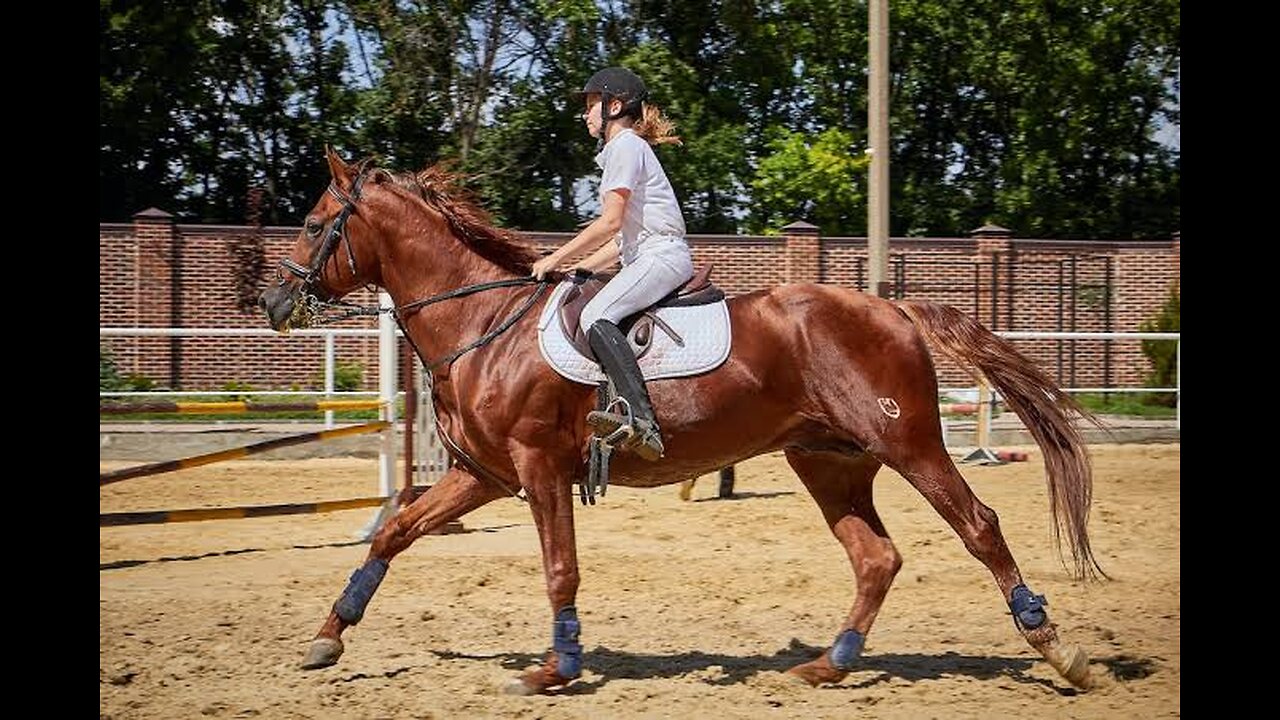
(621, 84)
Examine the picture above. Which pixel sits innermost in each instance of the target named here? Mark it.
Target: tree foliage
(1041, 117)
(817, 179)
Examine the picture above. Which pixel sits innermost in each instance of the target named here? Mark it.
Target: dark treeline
(1043, 117)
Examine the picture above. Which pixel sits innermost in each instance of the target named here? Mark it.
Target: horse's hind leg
(841, 485)
(932, 472)
(456, 494)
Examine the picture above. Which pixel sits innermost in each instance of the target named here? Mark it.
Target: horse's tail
(1042, 406)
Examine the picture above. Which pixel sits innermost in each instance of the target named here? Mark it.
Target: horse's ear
(338, 167)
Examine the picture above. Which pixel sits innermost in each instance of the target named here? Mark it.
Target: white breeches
(652, 276)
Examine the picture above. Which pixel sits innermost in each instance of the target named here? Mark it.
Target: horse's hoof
(1071, 663)
(817, 672)
(323, 653)
(686, 490)
(793, 678)
(517, 686)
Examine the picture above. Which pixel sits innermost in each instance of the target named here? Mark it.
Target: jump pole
(236, 406)
(156, 517)
(114, 476)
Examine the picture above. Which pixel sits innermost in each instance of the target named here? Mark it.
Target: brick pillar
(803, 252)
(154, 291)
(993, 245)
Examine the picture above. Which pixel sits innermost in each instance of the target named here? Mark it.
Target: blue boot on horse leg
(834, 664)
(349, 608)
(1032, 621)
(562, 665)
(454, 495)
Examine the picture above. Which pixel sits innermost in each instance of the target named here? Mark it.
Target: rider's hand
(544, 266)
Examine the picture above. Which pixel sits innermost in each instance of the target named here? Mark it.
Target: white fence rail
(388, 387)
(330, 361)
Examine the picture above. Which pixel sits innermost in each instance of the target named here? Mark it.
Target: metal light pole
(878, 123)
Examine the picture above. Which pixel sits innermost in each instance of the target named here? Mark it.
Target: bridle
(312, 310)
(337, 233)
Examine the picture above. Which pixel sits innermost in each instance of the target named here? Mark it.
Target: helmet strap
(605, 117)
(606, 99)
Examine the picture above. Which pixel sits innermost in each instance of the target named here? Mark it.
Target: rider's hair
(655, 127)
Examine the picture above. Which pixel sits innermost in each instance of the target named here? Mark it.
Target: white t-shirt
(653, 216)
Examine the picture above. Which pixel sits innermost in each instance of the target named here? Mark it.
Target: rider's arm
(600, 231)
(601, 259)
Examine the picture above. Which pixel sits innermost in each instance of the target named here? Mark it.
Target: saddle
(699, 290)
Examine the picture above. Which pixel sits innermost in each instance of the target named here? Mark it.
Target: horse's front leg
(550, 492)
(456, 494)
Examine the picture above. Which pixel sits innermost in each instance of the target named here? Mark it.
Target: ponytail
(655, 127)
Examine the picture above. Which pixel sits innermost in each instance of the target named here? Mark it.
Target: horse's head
(325, 264)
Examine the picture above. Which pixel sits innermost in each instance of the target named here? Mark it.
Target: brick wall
(156, 273)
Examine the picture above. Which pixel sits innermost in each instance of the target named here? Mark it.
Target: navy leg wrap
(1028, 608)
(364, 582)
(564, 633)
(846, 649)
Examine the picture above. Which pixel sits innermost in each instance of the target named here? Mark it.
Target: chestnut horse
(841, 382)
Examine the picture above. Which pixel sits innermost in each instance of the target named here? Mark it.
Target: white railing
(388, 386)
(330, 361)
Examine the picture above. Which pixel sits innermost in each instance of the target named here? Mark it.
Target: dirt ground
(689, 609)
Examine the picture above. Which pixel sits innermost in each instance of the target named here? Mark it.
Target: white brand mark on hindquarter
(889, 407)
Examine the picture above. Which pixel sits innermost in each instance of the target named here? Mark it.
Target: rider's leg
(615, 356)
(637, 285)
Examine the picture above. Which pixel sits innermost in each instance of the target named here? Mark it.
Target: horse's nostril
(262, 301)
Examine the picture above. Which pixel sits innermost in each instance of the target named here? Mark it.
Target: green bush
(139, 383)
(1163, 354)
(234, 390)
(1129, 404)
(110, 379)
(347, 377)
(108, 375)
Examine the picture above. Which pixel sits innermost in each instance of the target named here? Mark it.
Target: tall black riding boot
(639, 425)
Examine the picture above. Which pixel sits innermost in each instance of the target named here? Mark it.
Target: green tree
(528, 162)
(199, 102)
(148, 55)
(816, 179)
(1040, 117)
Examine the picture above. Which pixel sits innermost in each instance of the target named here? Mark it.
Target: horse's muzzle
(279, 302)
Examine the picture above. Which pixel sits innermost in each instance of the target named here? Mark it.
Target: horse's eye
(314, 227)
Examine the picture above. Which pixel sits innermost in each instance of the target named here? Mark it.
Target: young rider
(641, 225)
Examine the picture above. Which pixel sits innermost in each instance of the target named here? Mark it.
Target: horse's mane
(472, 224)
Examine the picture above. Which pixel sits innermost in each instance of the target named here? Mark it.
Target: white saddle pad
(703, 330)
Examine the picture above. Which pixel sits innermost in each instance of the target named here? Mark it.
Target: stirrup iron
(625, 422)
